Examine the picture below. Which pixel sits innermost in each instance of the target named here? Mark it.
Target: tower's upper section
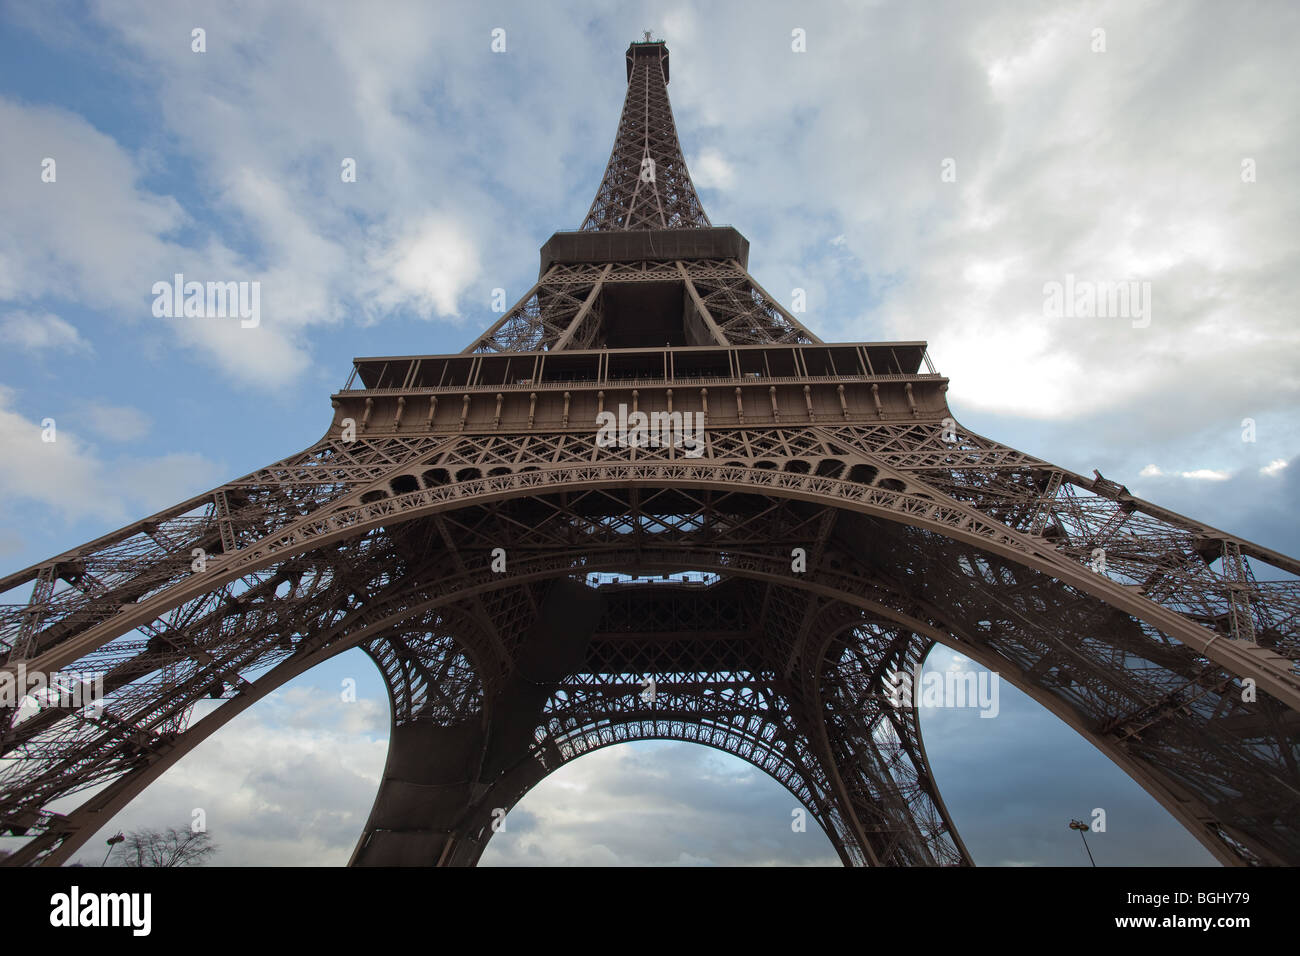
(646, 183)
(646, 270)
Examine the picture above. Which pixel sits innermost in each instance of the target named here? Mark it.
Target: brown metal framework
(629, 563)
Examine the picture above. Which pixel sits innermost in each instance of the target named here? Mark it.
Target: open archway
(659, 803)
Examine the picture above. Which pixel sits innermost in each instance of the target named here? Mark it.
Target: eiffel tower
(531, 593)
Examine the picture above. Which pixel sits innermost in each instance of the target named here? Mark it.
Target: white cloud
(1274, 467)
(289, 783)
(97, 238)
(1198, 474)
(68, 476)
(93, 235)
(1055, 176)
(656, 803)
(429, 267)
(710, 170)
(117, 422)
(38, 331)
(262, 357)
(267, 203)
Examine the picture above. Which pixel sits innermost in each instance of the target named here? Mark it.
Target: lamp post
(112, 842)
(1083, 828)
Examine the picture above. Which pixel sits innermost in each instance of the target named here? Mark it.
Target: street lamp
(112, 842)
(1083, 828)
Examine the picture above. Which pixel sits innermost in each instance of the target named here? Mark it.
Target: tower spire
(646, 183)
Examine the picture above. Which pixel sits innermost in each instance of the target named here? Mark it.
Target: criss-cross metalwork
(646, 184)
(530, 594)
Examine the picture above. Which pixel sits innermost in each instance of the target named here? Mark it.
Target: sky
(920, 171)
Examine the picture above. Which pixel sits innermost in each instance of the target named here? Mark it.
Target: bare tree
(175, 846)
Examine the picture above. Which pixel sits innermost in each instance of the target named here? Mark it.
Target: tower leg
(446, 787)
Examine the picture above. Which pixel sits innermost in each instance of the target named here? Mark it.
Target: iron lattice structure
(383, 536)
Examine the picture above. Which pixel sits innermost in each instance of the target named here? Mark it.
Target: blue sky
(1108, 165)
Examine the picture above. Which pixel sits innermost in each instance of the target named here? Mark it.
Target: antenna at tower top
(648, 37)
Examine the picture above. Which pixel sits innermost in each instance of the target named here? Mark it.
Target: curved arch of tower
(648, 503)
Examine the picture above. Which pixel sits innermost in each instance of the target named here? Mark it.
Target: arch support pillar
(434, 799)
